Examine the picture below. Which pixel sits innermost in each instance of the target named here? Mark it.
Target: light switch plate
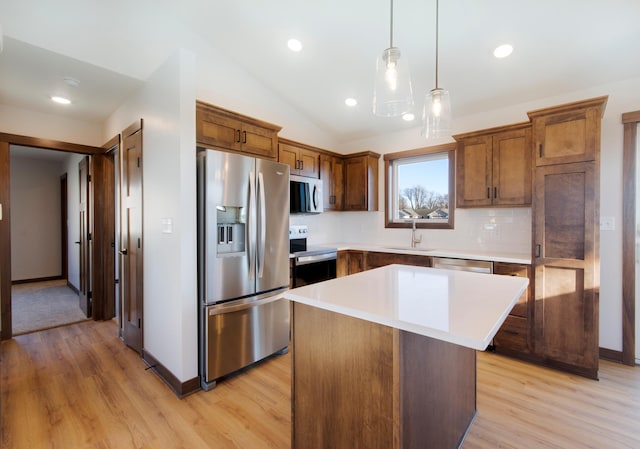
(607, 223)
(167, 225)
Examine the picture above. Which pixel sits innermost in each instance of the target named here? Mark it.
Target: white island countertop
(454, 306)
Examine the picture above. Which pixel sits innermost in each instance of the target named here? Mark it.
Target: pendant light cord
(437, 7)
(391, 27)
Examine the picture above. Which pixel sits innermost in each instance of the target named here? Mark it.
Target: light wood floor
(79, 387)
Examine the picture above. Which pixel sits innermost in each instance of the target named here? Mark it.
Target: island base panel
(359, 384)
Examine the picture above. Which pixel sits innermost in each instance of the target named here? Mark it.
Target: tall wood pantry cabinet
(565, 214)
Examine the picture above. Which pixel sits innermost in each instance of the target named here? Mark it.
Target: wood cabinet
(566, 235)
(494, 167)
(332, 175)
(226, 130)
(350, 262)
(302, 159)
(515, 337)
(380, 259)
(361, 181)
(568, 133)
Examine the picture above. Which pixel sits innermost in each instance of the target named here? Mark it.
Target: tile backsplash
(482, 229)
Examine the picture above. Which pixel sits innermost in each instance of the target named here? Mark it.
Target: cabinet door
(308, 163)
(473, 165)
(331, 174)
(566, 266)
(361, 183)
(355, 175)
(218, 132)
(259, 141)
(342, 264)
(567, 137)
(512, 168)
(288, 154)
(356, 262)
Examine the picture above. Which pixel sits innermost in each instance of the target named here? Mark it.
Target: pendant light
(436, 115)
(392, 95)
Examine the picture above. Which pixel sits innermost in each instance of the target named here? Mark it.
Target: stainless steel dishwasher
(477, 266)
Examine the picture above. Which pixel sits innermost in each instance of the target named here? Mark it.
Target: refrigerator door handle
(262, 225)
(251, 226)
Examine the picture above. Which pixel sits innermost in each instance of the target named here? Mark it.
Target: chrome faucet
(415, 239)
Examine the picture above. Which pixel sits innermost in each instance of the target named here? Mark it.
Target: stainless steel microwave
(305, 195)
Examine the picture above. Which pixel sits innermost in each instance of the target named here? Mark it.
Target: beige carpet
(42, 305)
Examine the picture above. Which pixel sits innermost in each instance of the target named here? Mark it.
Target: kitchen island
(386, 358)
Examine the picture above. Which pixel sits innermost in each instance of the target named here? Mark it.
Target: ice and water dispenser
(231, 230)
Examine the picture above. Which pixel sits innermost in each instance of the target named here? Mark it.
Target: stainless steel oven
(310, 264)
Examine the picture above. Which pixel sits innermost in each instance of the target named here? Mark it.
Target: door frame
(100, 298)
(631, 120)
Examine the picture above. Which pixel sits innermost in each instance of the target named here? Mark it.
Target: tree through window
(420, 186)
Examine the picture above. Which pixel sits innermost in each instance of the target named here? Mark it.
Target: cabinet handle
(363, 200)
(238, 136)
(244, 135)
(540, 149)
(301, 165)
(538, 250)
(495, 192)
(489, 192)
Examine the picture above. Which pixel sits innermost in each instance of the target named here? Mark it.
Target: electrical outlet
(607, 223)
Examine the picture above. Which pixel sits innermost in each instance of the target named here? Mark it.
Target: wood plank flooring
(79, 387)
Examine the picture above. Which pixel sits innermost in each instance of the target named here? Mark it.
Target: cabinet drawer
(514, 334)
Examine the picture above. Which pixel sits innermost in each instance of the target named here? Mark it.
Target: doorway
(102, 294)
(43, 235)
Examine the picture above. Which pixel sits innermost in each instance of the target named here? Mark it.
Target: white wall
(167, 105)
(35, 218)
(514, 225)
(25, 122)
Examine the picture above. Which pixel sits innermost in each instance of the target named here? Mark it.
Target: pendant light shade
(392, 95)
(436, 115)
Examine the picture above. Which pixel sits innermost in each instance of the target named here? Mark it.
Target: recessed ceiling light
(294, 45)
(503, 51)
(61, 100)
(408, 117)
(351, 102)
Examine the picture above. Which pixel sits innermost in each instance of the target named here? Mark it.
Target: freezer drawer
(238, 335)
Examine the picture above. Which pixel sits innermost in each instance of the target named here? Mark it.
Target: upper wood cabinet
(332, 175)
(568, 133)
(227, 130)
(303, 159)
(494, 167)
(361, 181)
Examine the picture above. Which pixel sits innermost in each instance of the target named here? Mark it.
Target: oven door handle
(306, 260)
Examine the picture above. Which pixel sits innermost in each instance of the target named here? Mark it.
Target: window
(420, 186)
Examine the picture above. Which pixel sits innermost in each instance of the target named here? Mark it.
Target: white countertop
(493, 256)
(454, 306)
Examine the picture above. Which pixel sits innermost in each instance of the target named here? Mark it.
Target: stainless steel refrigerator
(243, 261)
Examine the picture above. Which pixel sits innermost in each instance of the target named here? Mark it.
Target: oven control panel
(298, 232)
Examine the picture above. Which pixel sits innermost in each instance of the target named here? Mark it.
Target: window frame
(450, 149)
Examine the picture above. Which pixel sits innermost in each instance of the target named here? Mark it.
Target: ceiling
(559, 46)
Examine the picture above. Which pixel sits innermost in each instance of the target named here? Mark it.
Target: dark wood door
(356, 184)
(84, 239)
(131, 239)
(566, 266)
(512, 168)
(474, 166)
